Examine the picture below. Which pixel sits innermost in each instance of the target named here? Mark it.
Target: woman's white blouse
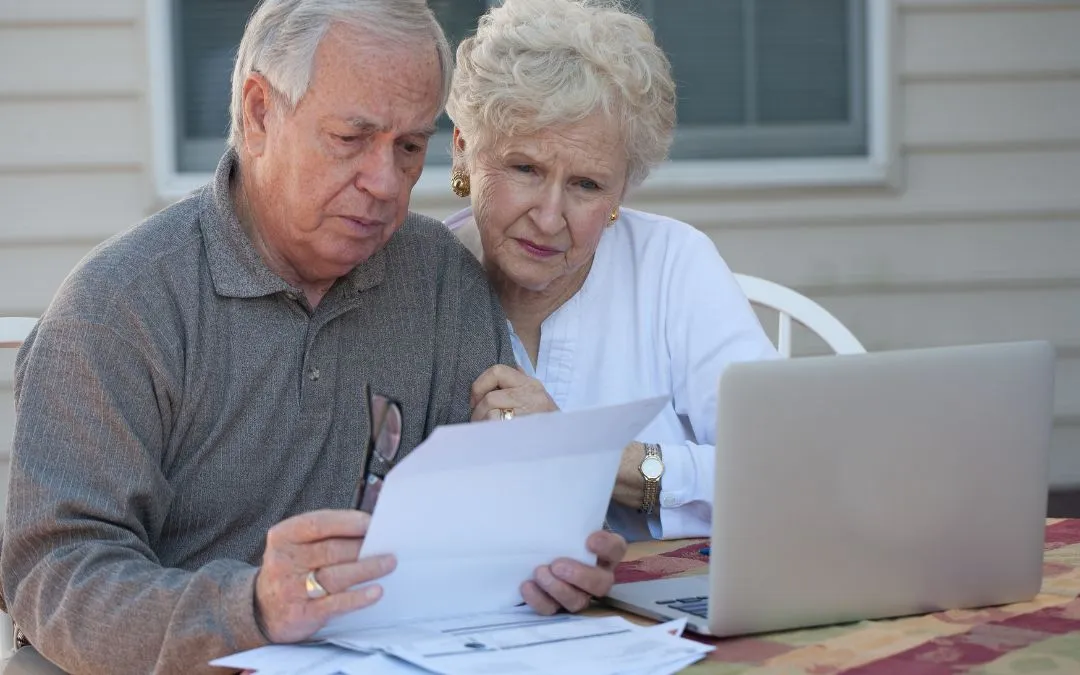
(659, 314)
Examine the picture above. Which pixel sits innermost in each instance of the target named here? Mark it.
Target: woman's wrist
(630, 484)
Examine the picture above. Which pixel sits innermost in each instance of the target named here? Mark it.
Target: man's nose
(379, 174)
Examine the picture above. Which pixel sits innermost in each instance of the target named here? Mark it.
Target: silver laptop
(870, 486)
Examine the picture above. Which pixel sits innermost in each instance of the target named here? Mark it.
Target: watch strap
(650, 497)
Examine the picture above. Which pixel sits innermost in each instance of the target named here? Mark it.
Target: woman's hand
(571, 585)
(502, 388)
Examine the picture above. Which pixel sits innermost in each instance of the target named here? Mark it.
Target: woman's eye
(346, 139)
(523, 168)
(589, 184)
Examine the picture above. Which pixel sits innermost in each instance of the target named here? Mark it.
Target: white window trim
(877, 168)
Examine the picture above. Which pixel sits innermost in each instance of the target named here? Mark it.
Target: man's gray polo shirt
(177, 399)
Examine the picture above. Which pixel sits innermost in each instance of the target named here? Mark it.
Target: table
(1037, 637)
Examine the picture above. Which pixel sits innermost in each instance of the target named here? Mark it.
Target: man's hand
(568, 584)
(327, 542)
(504, 388)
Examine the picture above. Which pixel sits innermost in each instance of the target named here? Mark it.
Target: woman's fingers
(496, 377)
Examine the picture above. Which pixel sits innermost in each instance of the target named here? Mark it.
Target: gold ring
(508, 413)
(314, 589)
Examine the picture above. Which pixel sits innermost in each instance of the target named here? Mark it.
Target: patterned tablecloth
(1037, 637)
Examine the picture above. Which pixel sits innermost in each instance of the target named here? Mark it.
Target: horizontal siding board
(989, 43)
(1067, 387)
(985, 5)
(51, 134)
(69, 11)
(85, 207)
(3, 485)
(7, 419)
(7, 367)
(30, 275)
(927, 319)
(989, 113)
(899, 254)
(933, 185)
(1065, 457)
(71, 61)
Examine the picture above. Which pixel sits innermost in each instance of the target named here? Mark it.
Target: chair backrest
(14, 329)
(792, 305)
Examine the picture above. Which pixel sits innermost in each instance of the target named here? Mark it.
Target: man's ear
(256, 109)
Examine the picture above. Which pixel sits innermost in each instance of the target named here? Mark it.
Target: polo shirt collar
(236, 267)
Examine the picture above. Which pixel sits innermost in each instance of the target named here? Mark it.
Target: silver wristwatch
(652, 470)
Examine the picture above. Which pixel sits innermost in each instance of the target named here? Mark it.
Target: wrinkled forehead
(598, 137)
(359, 72)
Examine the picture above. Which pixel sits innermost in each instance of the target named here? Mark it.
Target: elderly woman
(561, 107)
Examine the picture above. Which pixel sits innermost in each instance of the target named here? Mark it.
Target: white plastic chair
(792, 305)
(13, 330)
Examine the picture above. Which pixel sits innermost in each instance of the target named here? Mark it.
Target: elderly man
(190, 410)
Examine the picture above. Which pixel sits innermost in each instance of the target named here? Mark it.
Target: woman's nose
(548, 213)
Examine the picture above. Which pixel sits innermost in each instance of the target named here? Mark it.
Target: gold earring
(614, 215)
(459, 182)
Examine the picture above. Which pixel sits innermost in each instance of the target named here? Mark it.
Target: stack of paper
(470, 514)
(518, 642)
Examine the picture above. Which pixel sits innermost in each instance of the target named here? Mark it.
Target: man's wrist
(256, 607)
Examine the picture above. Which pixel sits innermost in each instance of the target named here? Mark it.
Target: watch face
(652, 468)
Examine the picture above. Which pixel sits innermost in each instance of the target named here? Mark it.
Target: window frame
(875, 169)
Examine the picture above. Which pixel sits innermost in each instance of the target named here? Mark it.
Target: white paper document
(316, 660)
(517, 642)
(475, 508)
(564, 644)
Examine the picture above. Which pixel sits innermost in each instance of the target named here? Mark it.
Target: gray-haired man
(190, 408)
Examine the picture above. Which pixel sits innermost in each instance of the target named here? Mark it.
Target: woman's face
(541, 202)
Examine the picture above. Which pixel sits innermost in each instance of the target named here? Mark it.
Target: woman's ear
(459, 142)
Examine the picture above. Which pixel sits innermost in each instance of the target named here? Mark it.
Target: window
(765, 78)
(205, 35)
(757, 79)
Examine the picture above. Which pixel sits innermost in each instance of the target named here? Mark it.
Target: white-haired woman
(560, 107)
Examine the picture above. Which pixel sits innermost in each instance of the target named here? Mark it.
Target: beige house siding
(74, 148)
(977, 239)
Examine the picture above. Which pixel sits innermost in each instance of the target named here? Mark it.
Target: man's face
(329, 182)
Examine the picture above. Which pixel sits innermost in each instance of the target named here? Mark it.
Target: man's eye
(346, 139)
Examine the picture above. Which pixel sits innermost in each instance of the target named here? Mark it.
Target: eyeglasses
(383, 446)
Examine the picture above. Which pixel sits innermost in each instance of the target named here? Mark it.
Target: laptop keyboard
(698, 605)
